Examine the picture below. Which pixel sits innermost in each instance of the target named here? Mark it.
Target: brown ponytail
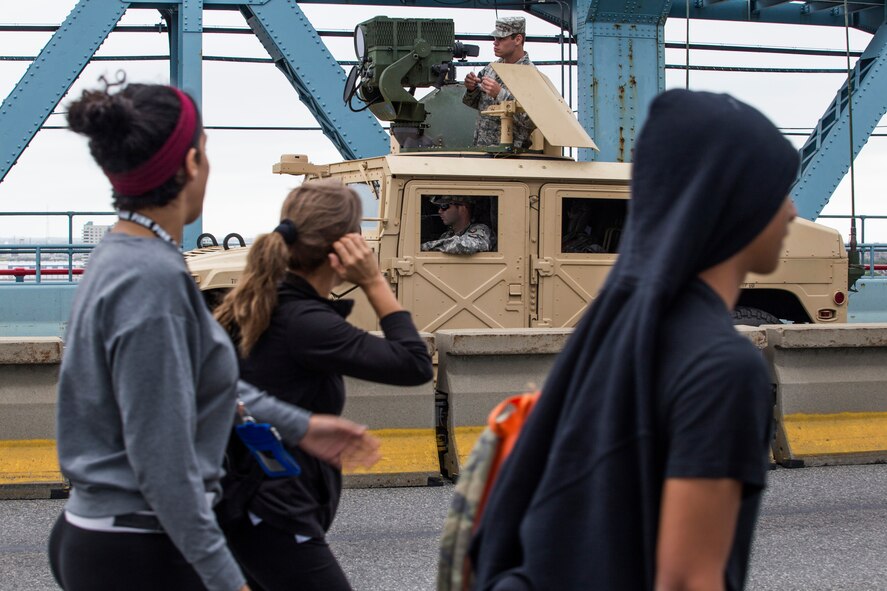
(322, 211)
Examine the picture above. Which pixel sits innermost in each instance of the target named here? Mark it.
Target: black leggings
(273, 561)
(85, 560)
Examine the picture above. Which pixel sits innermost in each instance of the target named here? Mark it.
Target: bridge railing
(875, 265)
(38, 251)
(862, 219)
(873, 257)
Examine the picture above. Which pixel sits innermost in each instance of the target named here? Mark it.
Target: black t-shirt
(714, 409)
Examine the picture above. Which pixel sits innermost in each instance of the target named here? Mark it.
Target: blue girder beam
(621, 49)
(186, 70)
(825, 157)
(50, 76)
(297, 50)
(867, 17)
(186, 47)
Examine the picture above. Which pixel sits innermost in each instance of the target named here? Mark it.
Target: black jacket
(301, 359)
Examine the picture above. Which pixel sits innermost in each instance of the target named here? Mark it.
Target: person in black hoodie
(643, 463)
(295, 343)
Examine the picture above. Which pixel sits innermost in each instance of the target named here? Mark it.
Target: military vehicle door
(485, 289)
(579, 232)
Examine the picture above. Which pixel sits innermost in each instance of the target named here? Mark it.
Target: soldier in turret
(485, 89)
(462, 236)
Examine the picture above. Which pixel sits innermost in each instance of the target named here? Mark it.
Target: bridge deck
(820, 528)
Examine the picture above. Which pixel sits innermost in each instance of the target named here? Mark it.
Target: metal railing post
(71, 242)
(37, 259)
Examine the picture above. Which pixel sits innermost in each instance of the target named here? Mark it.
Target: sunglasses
(446, 206)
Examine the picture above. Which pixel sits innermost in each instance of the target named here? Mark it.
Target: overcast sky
(56, 173)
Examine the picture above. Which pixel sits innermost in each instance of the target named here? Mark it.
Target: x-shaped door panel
(480, 290)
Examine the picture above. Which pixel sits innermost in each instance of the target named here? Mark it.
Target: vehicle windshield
(369, 201)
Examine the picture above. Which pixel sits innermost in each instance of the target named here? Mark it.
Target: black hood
(710, 173)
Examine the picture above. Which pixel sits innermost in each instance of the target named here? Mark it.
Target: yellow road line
(405, 450)
(834, 434)
(28, 461)
(466, 437)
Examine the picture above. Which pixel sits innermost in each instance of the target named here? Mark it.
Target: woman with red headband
(149, 380)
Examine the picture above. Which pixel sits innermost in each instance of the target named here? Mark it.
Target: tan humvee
(556, 225)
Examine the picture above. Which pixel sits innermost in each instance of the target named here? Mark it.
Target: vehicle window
(591, 225)
(443, 223)
(369, 201)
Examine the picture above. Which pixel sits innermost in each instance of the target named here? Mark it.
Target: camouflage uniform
(474, 238)
(487, 129)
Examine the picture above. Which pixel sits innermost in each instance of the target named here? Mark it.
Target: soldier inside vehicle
(458, 224)
(592, 225)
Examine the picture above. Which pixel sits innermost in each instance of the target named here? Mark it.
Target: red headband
(166, 162)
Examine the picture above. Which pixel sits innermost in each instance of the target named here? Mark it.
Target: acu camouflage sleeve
(522, 128)
(472, 98)
(478, 238)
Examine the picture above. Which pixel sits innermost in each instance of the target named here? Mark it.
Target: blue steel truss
(825, 157)
(50, 76)
(297, 50)
(284, 30)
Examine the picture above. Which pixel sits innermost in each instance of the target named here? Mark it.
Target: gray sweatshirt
(146, 401)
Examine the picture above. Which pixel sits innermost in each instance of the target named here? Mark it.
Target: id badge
(266, 446)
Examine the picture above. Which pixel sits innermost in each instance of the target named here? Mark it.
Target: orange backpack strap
(506, 421)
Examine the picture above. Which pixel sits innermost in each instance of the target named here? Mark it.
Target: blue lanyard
(146, 222)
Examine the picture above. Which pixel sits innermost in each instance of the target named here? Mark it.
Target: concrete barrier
(477, 369)
(31, 310)
(28, 376)
(758, 337)
(866, 304)
(831, 397)
(402, 417)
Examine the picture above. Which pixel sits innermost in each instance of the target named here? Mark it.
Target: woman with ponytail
(295, 343)
(148, 384)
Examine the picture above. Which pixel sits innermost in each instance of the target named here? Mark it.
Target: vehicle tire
(746, 316)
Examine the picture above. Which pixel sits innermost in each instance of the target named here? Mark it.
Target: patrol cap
(510, 25)
(450, 199)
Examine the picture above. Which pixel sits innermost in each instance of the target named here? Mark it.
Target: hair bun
(98, 113)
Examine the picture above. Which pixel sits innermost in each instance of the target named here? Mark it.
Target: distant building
(93, 234)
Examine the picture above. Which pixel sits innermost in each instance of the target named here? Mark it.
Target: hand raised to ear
(353, 260)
